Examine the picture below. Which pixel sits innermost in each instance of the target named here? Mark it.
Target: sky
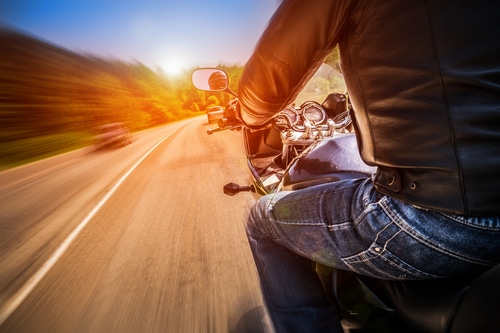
(171, 34)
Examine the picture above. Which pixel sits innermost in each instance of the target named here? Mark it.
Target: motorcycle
(313, 143)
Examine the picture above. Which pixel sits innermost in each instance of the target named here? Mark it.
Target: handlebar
(282, 122)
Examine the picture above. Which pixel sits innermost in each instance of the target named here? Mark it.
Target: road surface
(134, 239)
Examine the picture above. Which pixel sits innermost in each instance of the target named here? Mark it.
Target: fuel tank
(328, 160)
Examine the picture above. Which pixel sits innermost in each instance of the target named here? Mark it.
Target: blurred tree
(46, 90)
(333, 59)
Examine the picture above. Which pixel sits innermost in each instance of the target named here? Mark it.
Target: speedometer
(291, 114)
(287, 117)
(314, 113)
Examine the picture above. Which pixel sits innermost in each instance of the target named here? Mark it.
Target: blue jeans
(349, 225)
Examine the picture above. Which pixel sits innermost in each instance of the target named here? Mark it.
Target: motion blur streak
(12, 304)
(167, 252)
(53, 99)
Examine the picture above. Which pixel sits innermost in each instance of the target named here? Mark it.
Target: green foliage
(212, 100)
(14, 153)
(327, 80)
(49, 94)
(333, 59)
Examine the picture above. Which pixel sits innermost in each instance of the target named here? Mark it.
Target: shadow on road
(254, 321)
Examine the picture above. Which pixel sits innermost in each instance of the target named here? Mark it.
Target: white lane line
(13, 302)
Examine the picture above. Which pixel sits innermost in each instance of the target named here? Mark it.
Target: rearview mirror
(210, 79)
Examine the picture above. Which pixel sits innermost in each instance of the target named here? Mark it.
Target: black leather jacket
(424, 80)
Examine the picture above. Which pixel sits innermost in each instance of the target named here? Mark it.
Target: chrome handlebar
(304, 132)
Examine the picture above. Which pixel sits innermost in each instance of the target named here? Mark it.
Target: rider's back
(424, 78)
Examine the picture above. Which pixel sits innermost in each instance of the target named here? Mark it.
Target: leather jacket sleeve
(296, 41)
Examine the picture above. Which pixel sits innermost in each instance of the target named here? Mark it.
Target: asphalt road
(134, 239)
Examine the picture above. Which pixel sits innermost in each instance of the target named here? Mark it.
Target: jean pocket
(380, 263)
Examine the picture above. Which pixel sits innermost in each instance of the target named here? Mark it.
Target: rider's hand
(236, 114)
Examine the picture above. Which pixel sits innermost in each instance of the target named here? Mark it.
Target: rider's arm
(298, 38)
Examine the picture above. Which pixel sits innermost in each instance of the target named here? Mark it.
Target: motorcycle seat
(451, 306)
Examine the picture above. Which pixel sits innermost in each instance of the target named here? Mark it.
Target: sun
(173, 67)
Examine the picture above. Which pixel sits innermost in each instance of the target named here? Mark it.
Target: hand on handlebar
(231, 119)
(233, 113)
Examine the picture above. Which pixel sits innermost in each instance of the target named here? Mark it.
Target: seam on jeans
(381, 231)
(313, 224)
(413, 271)
(415, 235)
(368, 261)
(383, 255)
(367, 210)
(465, 221)
(368, 256)
(384, 246)
(405, 272)
(339, 226)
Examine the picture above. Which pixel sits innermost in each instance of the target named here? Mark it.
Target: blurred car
(214, 113)
(112, 135)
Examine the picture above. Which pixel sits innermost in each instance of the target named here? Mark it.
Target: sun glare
(173, 67)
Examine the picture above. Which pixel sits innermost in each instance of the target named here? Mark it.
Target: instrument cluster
(309, 122)
(296, 117)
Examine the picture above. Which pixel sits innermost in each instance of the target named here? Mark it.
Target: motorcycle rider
(217, 81)
(424, 80)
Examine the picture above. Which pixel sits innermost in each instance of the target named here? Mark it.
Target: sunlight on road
(165, 251)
